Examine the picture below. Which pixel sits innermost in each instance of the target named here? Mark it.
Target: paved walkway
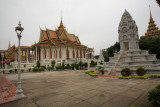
(77, 89)
(7, 90)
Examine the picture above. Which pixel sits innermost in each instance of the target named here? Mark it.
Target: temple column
(32, 55)
(27, 55)
(35, 54)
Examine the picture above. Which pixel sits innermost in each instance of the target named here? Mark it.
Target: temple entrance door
(126, 46)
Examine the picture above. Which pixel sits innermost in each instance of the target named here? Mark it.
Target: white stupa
(130, 55)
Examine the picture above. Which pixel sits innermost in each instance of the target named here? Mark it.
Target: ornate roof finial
(19, 23)
(45, 27)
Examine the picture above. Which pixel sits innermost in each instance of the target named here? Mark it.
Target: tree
(80, 64)
(158, 1)
(53, 63)
(109, 52)
(151, 44)
(38, 64)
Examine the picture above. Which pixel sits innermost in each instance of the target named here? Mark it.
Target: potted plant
(126, 72)
(140, 71)
(101, 70)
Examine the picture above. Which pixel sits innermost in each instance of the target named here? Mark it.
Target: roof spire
(150, 13)
(9, 45)
(152, 27)
(61, 23)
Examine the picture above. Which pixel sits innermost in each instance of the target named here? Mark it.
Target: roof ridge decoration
(48, 33)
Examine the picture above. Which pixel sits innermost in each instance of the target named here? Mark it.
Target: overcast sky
(95, 22)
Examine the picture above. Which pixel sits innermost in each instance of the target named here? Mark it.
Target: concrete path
(77, 89)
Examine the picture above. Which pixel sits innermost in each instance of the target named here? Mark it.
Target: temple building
(61, 46)
(58, 45)
(11, 54)
(152, 30)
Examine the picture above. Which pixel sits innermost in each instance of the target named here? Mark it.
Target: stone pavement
(7, 90)
(77, 89)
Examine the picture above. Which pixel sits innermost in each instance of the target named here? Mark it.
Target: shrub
(93, 64)
(77, 66)
(80, 65)
(15, 70)
(72, 66)
(126, 72)
(154, 76)
(38, 69)
(154, 97)
(62, 67)
(85, 64)
(140, 77)
(92, 74)
(67, 66)
(140, 71)
(58, 67)
(29, 69)
(101, 69)
(129, 77)
(88, 71)
(44, 67)
(49, 68)
(158, 86)
(53, 63)
(38, 64)
(10, 71)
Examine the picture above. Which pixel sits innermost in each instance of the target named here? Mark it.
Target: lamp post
(19, 91)
(2, 63)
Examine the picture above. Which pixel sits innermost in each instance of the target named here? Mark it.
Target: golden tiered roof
(59, 37)
(152, 30)
(10, 54)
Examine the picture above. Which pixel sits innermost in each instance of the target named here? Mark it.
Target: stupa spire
(152, 27)
(9, 45)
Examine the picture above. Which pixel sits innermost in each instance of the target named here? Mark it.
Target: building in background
(58, 45)
(152, 30)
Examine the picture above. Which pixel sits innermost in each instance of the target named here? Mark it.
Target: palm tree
(158, 1)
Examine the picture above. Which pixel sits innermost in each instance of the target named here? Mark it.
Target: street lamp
(19, 91)
(2, 63)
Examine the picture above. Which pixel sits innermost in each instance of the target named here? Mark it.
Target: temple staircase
(120, 61)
